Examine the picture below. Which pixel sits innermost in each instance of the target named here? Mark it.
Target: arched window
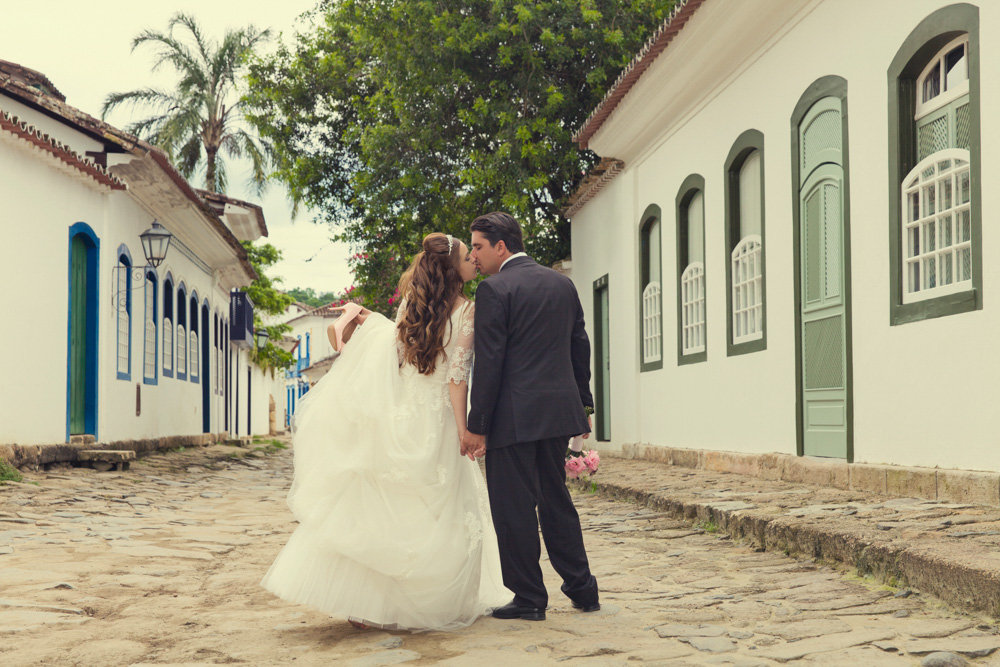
(936, 194)
(193, 349)
(216, 357)
(934, 158)
(149, 342)
(651, 330)
(691, 329)
(182, 340)
(123, 306)
(168, 326)
(745, 243)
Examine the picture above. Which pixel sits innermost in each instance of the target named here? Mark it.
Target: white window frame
(748, 297)
(946, 95)
(693, 308)
(181, 349)
(651, 334)
(168, 344)
(927, 185)
(193, 356)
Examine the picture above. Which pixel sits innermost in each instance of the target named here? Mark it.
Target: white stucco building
(787, 246)
(101, 347)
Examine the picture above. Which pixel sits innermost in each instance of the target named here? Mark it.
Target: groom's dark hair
(498, 226)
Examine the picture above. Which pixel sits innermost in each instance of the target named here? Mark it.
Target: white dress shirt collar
(516, 254)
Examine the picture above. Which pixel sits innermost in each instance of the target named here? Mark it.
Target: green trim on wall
(692, 185)
(929, 37)
(827, 86)
(745, 144)
(651, 214)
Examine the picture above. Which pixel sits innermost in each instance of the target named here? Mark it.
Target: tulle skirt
(394, 525)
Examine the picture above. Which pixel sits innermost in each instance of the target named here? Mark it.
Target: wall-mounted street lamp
(261, 336)
(155, 243)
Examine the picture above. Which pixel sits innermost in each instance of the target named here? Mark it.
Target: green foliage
(9, 473)
(709, 526)
(400, 117)
(309, 297)
(203, 115)
(267, 299)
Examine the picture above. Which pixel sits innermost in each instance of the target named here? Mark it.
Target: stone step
(105, 459)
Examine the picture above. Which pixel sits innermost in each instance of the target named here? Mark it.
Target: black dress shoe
(511, 610)
(587, 608)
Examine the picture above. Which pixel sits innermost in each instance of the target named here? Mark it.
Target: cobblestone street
(160, 564)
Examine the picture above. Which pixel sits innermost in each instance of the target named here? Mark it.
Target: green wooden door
(822, 251)
(602, 361)
(78, 337)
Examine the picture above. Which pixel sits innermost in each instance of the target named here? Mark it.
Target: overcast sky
(84, 48)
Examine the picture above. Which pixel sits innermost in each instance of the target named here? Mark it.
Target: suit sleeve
(491, 350)
(580, 354)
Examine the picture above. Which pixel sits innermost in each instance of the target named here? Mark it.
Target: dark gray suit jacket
(531, 377)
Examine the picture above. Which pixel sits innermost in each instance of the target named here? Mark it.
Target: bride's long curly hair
(431, 286)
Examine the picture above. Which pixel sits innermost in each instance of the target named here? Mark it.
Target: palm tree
(203, 112)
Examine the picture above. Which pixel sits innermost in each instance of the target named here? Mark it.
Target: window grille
(747, 294)
(168, 344)
(124, 308)
(937, 226)
(651, 334)
(194, 354)
(181, 349)
(693, 308)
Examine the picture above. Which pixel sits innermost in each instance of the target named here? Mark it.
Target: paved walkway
(160, 564)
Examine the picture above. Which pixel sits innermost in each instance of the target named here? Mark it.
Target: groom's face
(486, 257)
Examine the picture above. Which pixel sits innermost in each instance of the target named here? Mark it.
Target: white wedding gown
(394, 524)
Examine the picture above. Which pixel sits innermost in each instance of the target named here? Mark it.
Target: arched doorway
(82, 334)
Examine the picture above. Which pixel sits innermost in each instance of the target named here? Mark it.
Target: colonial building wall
(922, 390)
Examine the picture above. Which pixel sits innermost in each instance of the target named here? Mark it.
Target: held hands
(473, 445)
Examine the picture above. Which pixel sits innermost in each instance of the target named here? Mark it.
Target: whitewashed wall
(922, 391)
(41, 202)
(35, 297)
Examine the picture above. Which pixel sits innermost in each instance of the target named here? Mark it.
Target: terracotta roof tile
(23, 130)
(659, 41)
(593, 183)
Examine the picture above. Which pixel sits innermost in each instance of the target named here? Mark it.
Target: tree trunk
(210, 153)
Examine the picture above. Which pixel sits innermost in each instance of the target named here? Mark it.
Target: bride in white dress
(394, 524)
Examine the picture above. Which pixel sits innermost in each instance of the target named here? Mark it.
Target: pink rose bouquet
(580, 462)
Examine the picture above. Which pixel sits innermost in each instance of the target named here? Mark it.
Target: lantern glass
(155, 242)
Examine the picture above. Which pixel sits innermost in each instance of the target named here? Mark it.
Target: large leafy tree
(395, 118)
(203, 115)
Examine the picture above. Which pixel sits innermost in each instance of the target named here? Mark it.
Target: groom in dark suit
(530, 384)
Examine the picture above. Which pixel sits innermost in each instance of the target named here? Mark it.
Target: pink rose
(575, 466)
(592, 460)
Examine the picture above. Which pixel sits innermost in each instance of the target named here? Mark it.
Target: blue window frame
(168, 327)
(181, 368)
(150, 342)
(194, 350)
(123, 307)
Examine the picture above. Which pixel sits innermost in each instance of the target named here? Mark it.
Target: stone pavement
(160, 565)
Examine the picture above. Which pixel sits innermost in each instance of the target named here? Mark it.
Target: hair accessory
(451, 243)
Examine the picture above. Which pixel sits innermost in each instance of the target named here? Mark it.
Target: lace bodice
(456, 367)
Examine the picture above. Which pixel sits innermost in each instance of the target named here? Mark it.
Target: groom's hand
(473, 445)
(590, 425)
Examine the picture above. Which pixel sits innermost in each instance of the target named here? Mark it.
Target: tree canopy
(203, 114)
(309, 297)
(395, 118)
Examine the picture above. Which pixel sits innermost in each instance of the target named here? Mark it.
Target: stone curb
(37, 456)
(965, 580)
(946, 485)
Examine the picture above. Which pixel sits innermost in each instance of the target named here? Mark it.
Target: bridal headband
(451, 242)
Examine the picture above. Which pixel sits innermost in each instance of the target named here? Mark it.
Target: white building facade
(118, 352)
(787, 244)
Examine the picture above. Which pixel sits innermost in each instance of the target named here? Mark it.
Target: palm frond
(146, 96)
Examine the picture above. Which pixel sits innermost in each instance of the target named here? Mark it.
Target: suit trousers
(522, 478)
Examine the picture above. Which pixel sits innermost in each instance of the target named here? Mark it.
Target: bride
(394, 524)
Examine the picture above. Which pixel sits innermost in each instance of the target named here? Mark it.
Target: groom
(531, 381)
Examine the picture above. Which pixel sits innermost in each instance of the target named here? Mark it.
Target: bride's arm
(459, 370)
